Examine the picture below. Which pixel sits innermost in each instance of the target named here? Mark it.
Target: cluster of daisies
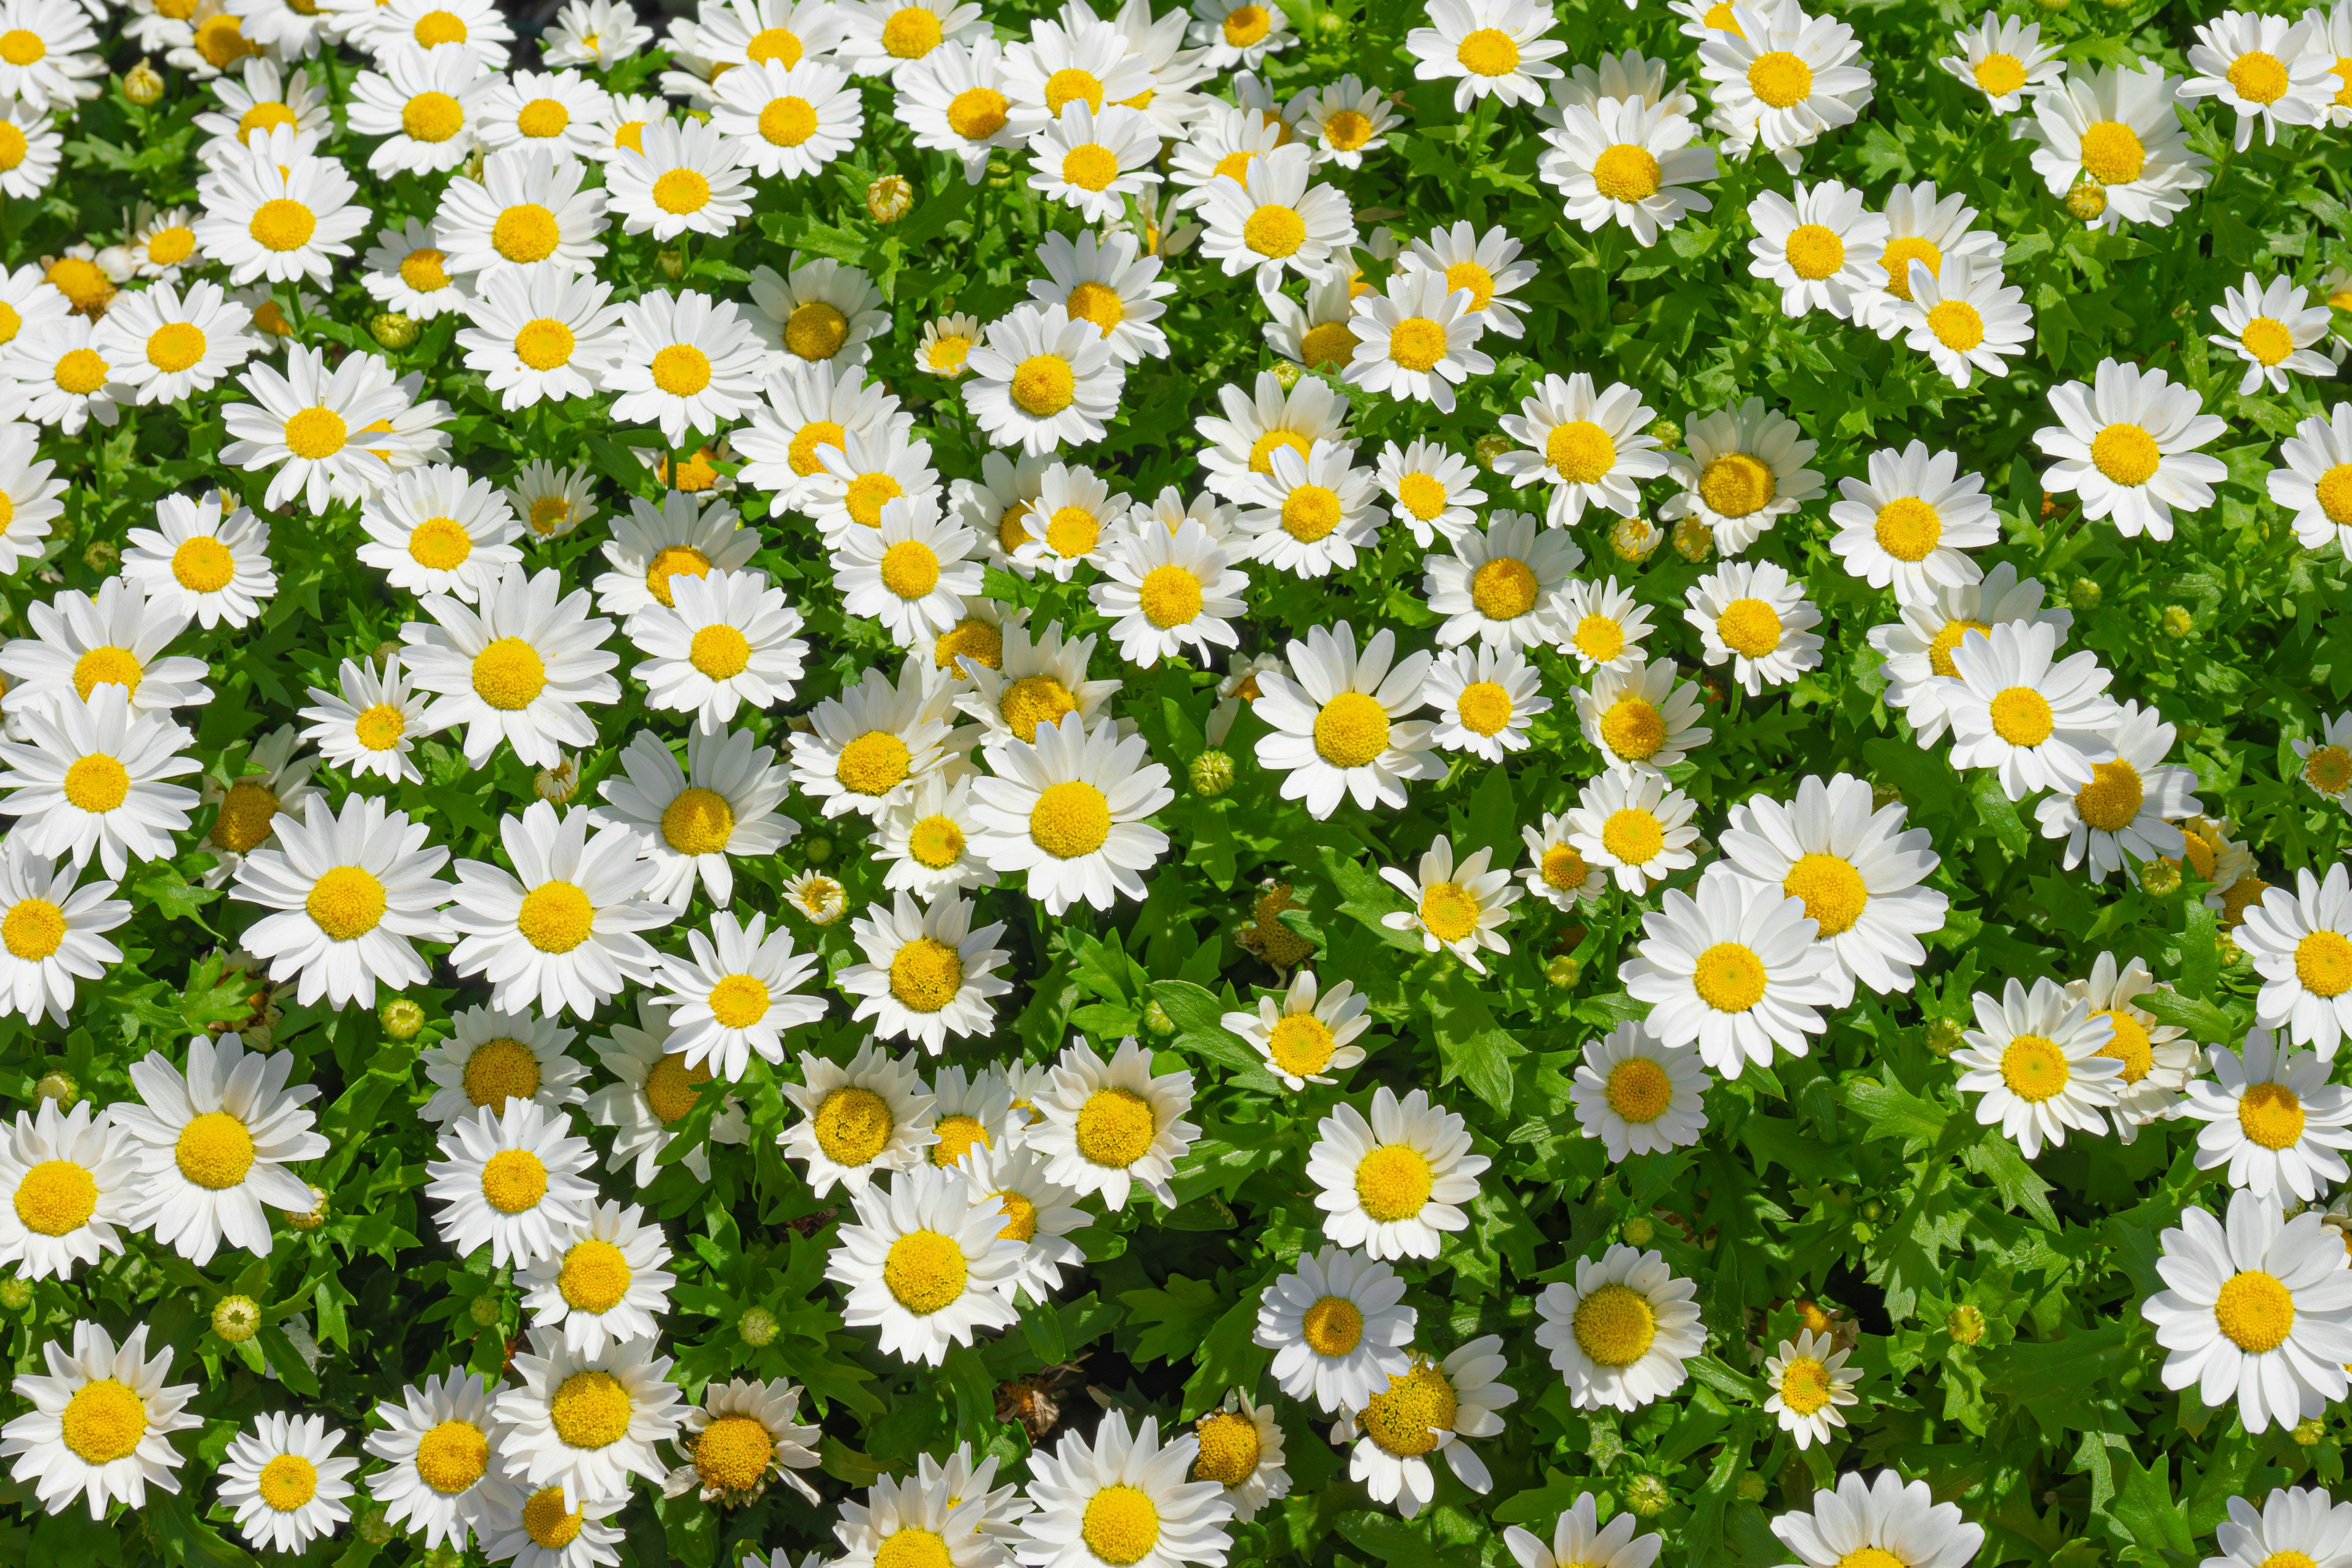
(989, 753)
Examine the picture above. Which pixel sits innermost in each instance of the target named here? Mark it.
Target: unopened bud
(2178, 621)
(889, 199)
(2159, 877)
(816, 849)
(1492, 448)
(2308, 1432)
(1646, 1497)
(1288, 375)
(757, 1326)
(672, 262)
(1156, 1019)
(1693, 539)
(1965, 1324)
(401, 1019)
(59, 1087)
(103, 555)
(484, 1310)
(1639, 1231)
(1212, 774)
(1667, 433)
(394, 331)
(1945, 1036)
(1753, 1486)
(16, 1294)
(1635, 539)
(2088, 200)
(143, 84)
(312, 1218)
(2086, 593)
(236, 1319)
(1563, 971)
(558, 784)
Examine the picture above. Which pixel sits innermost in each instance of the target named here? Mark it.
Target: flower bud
(2086, 593)
(1693, 539)
(2160, 878)
(558, 784)
(889, 199)
(1491, 448)
(375, 1528)
(143, 84)
(2178, 621)
(1646, 1497)
(103, 555)
(1753, 1486)
(1563, 971)
(1882, 795)
(2308, 1432)
(1944, 1036)
(671, 259)
(1639, 1230)
(312, 1218)
(816, 849)
(16, 1294)
(1212, 774)
(1667, 433)
(1635, 539)
(394, 331)
(1965, 1324)
(401, 1019)
(757, 1326)
(1288, 375)
(59, 1087)
(485, 1311)
(236, 1319)
(2088, 200)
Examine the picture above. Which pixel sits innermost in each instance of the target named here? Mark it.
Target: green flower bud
(2160, 879)
(59, 1087)
(401, 1019)
(2308, 1432)
(1646, 1497)
(1491, 448)
(143, 84)
(1944, 1036)
(485, 1311)
(103, 555)
(672, 262)
(375, 1528)
(1564, 971)
(1965, 1324)
(394, 331)
(2088, 200)
(1287, 373)
(1156, 1019)
(757, 1326)
(2086, 593)
(1212, 774)
(816, 849)
(1753, 1487)
(1667, 433)
(1638, 1230)
(236, 1319)
(16, 1294)
(2178, 621)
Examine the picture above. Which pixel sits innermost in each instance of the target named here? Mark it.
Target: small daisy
(33, 496)
(1744, 472)
(1336, 722)
(927, 840)
(598, 32)
(1639, 1096)
(1556, 871)
(927, 972)
(1430, 1407)
(2127, 445)
(2035, 1057)
(426, 104)
(167, 344)
(2306, 1520)
(2044, 723)
(744, 1435)
(1640, 717)
(1305, 1038)
(2273, 329)
(804, 414)
(2005, 60)
(101, 1422)
(1908, 525)
(214, 1146)
(587, 1423)
(946, 347)
(1917, 648)
(491, 1057)
(1393, 1184)
(1634, 826)
(2315, 483)
(870, 1117)
(447, 1477)
(371, 723)
(1272, 221)
(652, 1092)
(2126, 813)
(1810, 1382)
(1310, 512)
(1505, 585)
(1755, 617)
(784, 122)
(285, 1482)
(1619, 1333)
(736, 995)
(1070, 810)
(923, 1265)
(1112, 1126)
(1591, 449)
(1121, 1498)
(2109, 143)
(1822, 251)
(1042, 378)
(1320, 335)
(2273, 1117)
(2158, 1062)
(564, 933)
(517, 668)
(1339, 1329)
(90, 778)
(2260, 1309)
(438, 530)
(204, 560)
(514, 1180)
(1604, 625)
(1169, 592)
(605, 1283)
(1254, 426)
(1964, 319)
(1094, 160)
(404, 270)
(53, 374)
(1345, 121)
(1418, 340)
(727, 641)
(1241, 1450)
(548, 1533)
(354, 890)
(1434, 488)
(953, 100)
(1486, 698)
(912, 571)
(685, 364)
(2263, 68)
(867, 746)
(66, 1182)
(1499, 47)
(1735, 969)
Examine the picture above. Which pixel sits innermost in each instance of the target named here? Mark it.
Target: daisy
(353, 890)
(426, 104)
(514, 1180)
(1345, 121)
(1417, 340)
(654, 1092)
(1917, 648)
(1430, 1407)
(681, 178)
(695, 820)
(946, 347)
(404, 271)
(2306, 1519)
(1634, 827)
(2273, 1117)
(866, 747)
(742, 1435)
(91, 775)
(1110, 1127)
(2301, 945)
(1929, 228)
(1885, 1515)
(1111, 283)
(1392, 1185)
(214, 1145)
(2158, 1063)
(1434, 488)
(272, 212)
(1487, 266)
(728, 640)
(52, 62)
(886, 38)
(101, 1421)
(517, 668)
(604, 1284)
(528, 205)
(33, 496)
(539, 332)
(1781, 78)
(652, 548)
(557, 109)
(2044, 723)
(1622, 1331)
(2126, 813)
(1320, 335)
(1498, 48)
(162, 243)
(1591, 449)
(1336, 724)
(1745, 471)
(2326, 762)
(1042, 378)
(1038, 1212)
(2109, 142)
(285, 1482)
(30, 150)
(587, 1423)
(551, 502)
(447, 1477)
(2315, 483)
(1305, 1038)
(2271, 328)
(491, 1057)
(599, 33)
(862, 474)
(1505, 585)
(927, 973)
(1168, 593)
(82, 645)
(1485, 698)
(1339, 1329)
(953, 100)
(1639, 1096)
(2259, 1309)
(1241, 1450)
(2035, 1058)
(476, 24)
(1121, 1499)
(2127, 445)
(1736, 969)
(65, 1181)
(1822, 251)
(565, 932)
(2264, 69)
(1908, 525)
(1253, 426)
(685, 364)
(1638, 717)
(1272, 220)
(784, 122)
(2005, 60)
(301, 423)
(1854, 867)
(370, 723)
(912, 571)
(1603, 625)
(870, 1117)
(805, 413)
(972, 1112)
(1577, 1543)
(438, 530)
(1310, 512)
(818, 312)
(1556, 871)
(201, 563)
(1810, 1382)
(53, 375)
(167, 345)
(924, 1264)
(1093, 160)
(927, 840)
(1753, 617)
(547, 1533)
(1069, 809)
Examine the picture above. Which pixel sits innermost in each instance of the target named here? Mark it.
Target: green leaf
(1172, 1322)
(2143, 1505)
(1998, 812)
(1895, 1112)
(1228, 1356)
(1470, 1044)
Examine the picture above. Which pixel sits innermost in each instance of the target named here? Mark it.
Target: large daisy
(1112, 1126)
(1736, 969)
(1336, 722)
(2036, 1057)
(1339, 1329)
(1040, 378)
(514, 1179)
(1744, 471)
(2042, 722)
(1887, 1516)
(67, 1181)
(516, 668)
(1909, 525)
(927, 973)
(2273, 1117)
(354, 890)
(587, 1423)
(923, 1263)
(1430, 1407)
(1637, 1095)
(1123, 1497)
(100, 1423)
(1070, 810)
(559, 930)
(2301, 945)
(2110, 143)
(736, 995)
(214, 1145)
(1394, 1184)
(2126, 445)
(1620, 1332)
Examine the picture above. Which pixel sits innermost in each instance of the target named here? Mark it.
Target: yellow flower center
(440, 28)
(317, 434)
(556, 917)
(2126, 454)
(1117, 1127)
(926, 974)
(866, 496)
(2255, 1311)
(287, 1482)
(2271, 1115)
(2130, 1046)
(1275, 231)
(719, 651)
(1070, 819)
(104, 1421)
(1263, 449)
(1413, 1412)
(499, 1070)
(1393, 1182)
(1749, 627)
(978, 113)
(2268, 341)
(913, 1547)
(1804, 1385)
(20, 46)
(2034, 1068)
(1736, 485)
(1448, 911)
(1310, 512)
(170, 247)
(733, 1452)
(346, 902)
(282, 224)
(1329, 344)
(779, 44)
(85, 283)
(698, 822)
(2111, 801)
(81, 371)
(2000, 74)
(2021, 716)
(972, 638)
(1483, 708)
(672, 1088)
(525, 233)
(1090, 166)
(1503, 589)
(1956, 324)
(1615, 1325)
(1634, 835)
(1170, 596)
(247, 812)
(2258, 77)
(590, 1410)
(32, 928)
(542, 118)
(1301, 1043)
(595, 1278)
(1564, 869)
(2112, 154)
(681, 369)
(935, 842)
(1070, 83)
(1815, 251)
(514, 1180)
(441, 544)
(1871, 1557)
(958, 1136)
(451, 1456)
(1488, 52)
(1639, 1090)
(1245, 25)
(1417, 343)
(925, 1271)
(544, 343)
(548, 1522)
(432, 117)
(1121, 1526)
(1780, 78)
(2328, 769)
(1909, 529)
(55, 1197)
(1229, 1447)
(853, 1125)
(1333, 1326)
(1072, 532)
(875, 763)
(787, 121)
(172, 347)
(1421, 495)
(1346, 130)
(1939, 650)
(1351, 730)
(2322, 961)
(509, 675)
(1897, 258)
(1019, 1218)
(1729, 977)
(1044, 384)
(1633, 729)
(97, 783)
(214, 1151)
(740, 1001)
(1598, 638)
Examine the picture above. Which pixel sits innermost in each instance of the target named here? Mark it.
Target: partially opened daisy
(1780, 78)
(2110, 143)
(2301, 945)
(1885, 1515)
(2042, 721)
(2035, 1057)
(2272, 327)
(2126, 815)
(923, 1263)
(514, 1180)
(1305, 1035)
(1112, 1126)
(1634, 826)
(1745, 470)
(1272, 221)
(1418, 339)
(67, 1180)
(1909, 525)
(2258, 1309)
(516, 668)
(1822, 251)
(1756, 617)
(2005, 60)
(2272, 1118)
(101, 1422)
(352, 891)
(927, 973)
(2126, 445)
(1640, 717)
(1735, 969)
(869, 1118)
(743, 1436)
(1432, 1407)
(214, 1145)
(2316, 483)
(1639, 1096)
(1070, 810)
(587, 1423)
(560, 930)
(736, 993)
(285, 1482)
(1621, 1332)
(1124, 1498)
(2264, 69)
(445, 1478)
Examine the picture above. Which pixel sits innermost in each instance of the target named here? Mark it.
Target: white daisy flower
(870, 1117)
(1965, 319)
(868, 746)
(564, 933)
(1929, 227)
(1121, 1499)
(517, 668)
(1069, 809)
(1589, 449)
(1110, 1127)
(970, 1112)
(2109, 142)
(655, 1090)
(214, 1145)
(722, 804)
(438, 530)
(1430, 1407)
(476, 24)
(1093, 160)
(1336, 722)
(2264, 69)
(685, 364)
(426, 104)
(273, 212)
(491, 1057)
(1392, 1185)
(33, 496)
(1556, 871)
(2301, 945)
(1339, 1329)
(681, 178)
(1632, 162)
(301, 424)
(101, 1422)
(1781, 78)
(784, 122)
(2127, 444)
(540, 333)
(1168, 593)
(1320, 335)
(2036, 1059)
(83, 644)
(2273, 1117)
(1310, 512)
(1917, 648)
(1038, 1212)
(1909, 525)
(2272, 328)
(1305, 1038)
(90, 778)
(1639, 1096)
(924, 1264)
(353, 890)
(1809, 1382)
(604, 1284)
(371, 723)
(737, 995)
(817, 311)
(1638, 717)
(1885, 1515)
(548, 1533)
(1745, 470)
(1434, 488)
(447, 1478)
(54, 59)
(1822, 251)
(2044, 723)
(1417, 340)
(1345, 119)
(167, 344)
(200, 562)
(1501, 48)
(726, 641)
(1042, 379)
(1272, 220)
(587, 1423)
(1505, 585)
(1735, 969)
(1604, 625)
(912, 571)
(1577, 1542)
(2327, 762)
(2306, 1520)
(2158, 1062)
(927, 840)
(31, 147)
(404, 270)
(598, 32)
(953, 100)
(1253, 426)
(862, 474)
(1753, 617)
(528, 205)
(53, 375)
(2315, 483)
(1486, 265)
(1485, 698)
(285, 1482)
(559, 111)
(1634, 826)
(2126, 813)
(1108, 281)
(927, 973)
(514, 1180)
(1241, 1450)
(66, 1182)
(2005, 60)
(1620, 1333)
(744, 1435)
(822, 407)
(2259, 1309)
